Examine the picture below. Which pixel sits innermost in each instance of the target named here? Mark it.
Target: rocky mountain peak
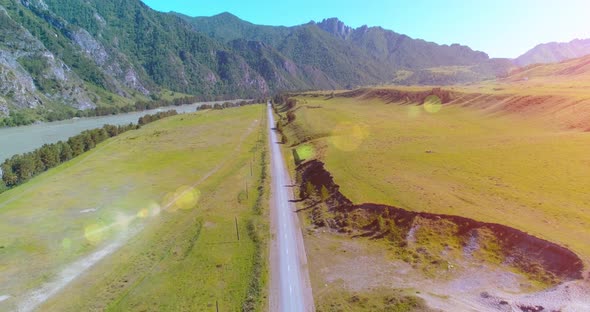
(336, 27)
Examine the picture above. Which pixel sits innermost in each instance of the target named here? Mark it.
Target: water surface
(18, 140)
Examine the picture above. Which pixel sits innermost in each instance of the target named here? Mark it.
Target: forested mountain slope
(58, 56)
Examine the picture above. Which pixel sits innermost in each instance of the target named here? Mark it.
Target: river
(18, 140)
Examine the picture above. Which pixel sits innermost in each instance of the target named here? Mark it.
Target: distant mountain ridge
(554, 52)
(58, 55)
(336, 27)
(378, 53)
(575, 72)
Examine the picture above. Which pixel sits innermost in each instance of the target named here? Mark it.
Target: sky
(501, 28)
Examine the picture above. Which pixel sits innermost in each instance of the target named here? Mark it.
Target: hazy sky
(501, 28)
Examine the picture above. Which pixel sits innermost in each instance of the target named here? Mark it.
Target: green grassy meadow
(498, 168)
(178, 183)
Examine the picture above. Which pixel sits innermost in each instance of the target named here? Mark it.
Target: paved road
(290, 284)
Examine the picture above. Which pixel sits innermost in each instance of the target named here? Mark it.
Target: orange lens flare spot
(143, 213)
(348, 136)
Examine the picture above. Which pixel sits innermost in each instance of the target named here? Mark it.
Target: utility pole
(217, 305)
(237, 229)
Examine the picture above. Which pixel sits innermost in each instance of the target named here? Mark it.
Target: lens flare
(184, 198)
(66, 244)
(187, 197)
(348, 136)
(432, 104)
(143, 213)
(122, 221)
(305, 152)
(94, 233)
(154, 209)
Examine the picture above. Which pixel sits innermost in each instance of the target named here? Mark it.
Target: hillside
(554, 52)
(60, 56)
(574, 70)
(357, 56)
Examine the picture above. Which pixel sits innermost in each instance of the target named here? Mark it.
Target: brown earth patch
(538, 258)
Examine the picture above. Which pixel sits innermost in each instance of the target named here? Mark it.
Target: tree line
(22, 167)
(224, 105)
(18, 118)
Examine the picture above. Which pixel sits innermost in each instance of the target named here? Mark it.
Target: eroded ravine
(433, 241)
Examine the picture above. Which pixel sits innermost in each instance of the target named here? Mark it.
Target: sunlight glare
(348, 136)
(432, 104)
(94, 233)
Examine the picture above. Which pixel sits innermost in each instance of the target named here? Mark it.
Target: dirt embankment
(393, 95)
(533, 256)
(561, 110)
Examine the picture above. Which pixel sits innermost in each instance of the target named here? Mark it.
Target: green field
(179, 184)
(452, 160)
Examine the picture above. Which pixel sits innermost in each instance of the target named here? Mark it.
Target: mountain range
(330, 54)
(64, 55)
(554, 52)
(575, 73)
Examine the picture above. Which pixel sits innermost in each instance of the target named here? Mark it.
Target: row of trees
(20, 168)
(284, 98)
(224, 105)
(157, 116)
(18, 118)
(280, 103)
(280, 98)
(138, 106)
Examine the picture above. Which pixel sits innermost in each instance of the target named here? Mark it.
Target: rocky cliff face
(119, 70)
(30, 75)
(336, 27)
(73, 54)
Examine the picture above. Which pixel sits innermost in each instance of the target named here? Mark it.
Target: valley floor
(146, 221)
(489, 165)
